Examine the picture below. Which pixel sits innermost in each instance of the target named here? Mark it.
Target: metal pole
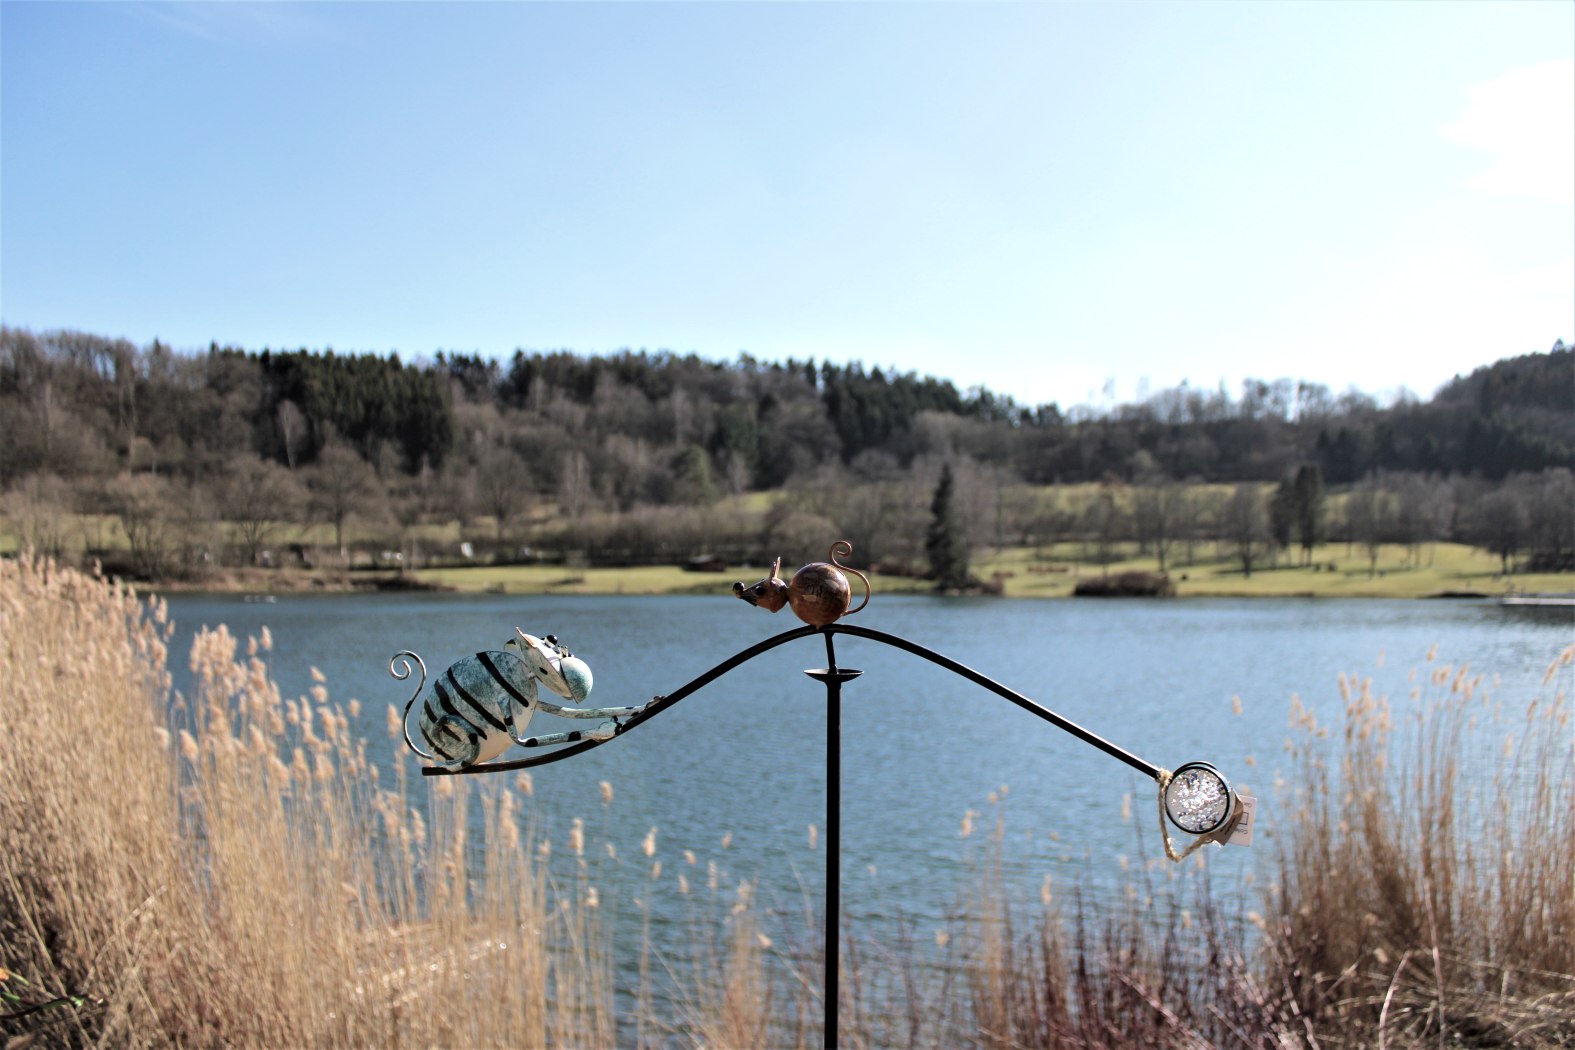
(833, 677)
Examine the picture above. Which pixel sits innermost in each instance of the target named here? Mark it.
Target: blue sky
(1059, 201)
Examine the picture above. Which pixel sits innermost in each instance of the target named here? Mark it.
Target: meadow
(538, 557)
(1336, 571)
(227, 868)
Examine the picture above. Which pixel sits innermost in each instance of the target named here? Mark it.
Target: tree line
(628, 455)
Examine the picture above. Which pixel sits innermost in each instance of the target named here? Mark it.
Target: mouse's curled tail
(842, 548)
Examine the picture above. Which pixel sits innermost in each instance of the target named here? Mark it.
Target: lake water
(742, 761)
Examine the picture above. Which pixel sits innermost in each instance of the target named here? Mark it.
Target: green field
(1338, 570)
(1442, 568)
(1445, 568)
(644, 579)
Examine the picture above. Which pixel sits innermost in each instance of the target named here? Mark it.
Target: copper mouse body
(818, 594)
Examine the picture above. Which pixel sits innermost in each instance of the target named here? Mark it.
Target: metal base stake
(833, 677)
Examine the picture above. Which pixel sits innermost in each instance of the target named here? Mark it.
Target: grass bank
(1025, 572)
(1336, 571)
(1198, 569)
(230, 871)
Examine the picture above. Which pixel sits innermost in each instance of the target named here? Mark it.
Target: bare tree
(737, 472)
(1157, 512)
(1198, 510)
(1365, 518)
(880, 520)
(978, 502)
(39, 508)
(627, 472)
(195, 529)
(1051, 522)
(1420, 511)
(142, 504)
(1105, 523)
(1246, 524)
(341, 484)
(1551, 521)
(292, 429)
(502, 485)
(257, 498)
(574, 486)
(796, 535)
(1019, 505)
(1501, 524)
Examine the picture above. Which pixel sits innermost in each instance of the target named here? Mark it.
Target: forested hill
(654, 428)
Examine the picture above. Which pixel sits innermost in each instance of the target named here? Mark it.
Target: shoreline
(656, 581)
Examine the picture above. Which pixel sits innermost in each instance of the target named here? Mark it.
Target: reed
(227, 870)
(1428, 890)
(1424, 898)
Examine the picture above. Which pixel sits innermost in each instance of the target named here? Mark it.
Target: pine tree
(1309, 501)
(1282, 514)
(945, 542)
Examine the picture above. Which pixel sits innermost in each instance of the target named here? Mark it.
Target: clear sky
(1052, 200)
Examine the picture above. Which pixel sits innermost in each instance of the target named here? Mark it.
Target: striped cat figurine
(483, 703)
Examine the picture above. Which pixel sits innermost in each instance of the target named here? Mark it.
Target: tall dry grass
(1425, 898)
(1427, 894)
(1162, 965)
(236, 875)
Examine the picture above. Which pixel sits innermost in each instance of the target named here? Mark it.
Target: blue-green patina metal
(483, 703)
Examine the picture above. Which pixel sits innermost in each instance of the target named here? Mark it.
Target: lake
(735, 776)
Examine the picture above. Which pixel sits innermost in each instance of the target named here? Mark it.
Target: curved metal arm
(656, 706)
(661, 703)
(1147, 769)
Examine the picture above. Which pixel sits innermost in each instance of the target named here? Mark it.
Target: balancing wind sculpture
(482, 705)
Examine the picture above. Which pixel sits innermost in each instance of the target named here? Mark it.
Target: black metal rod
(662, 703)
(833, 904)
(831, 953)
(1147, 769)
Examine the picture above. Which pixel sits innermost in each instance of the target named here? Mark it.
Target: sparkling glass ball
(1198, 800)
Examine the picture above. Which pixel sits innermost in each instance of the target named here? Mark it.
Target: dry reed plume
(1427, 893)
(232, 874)
(1425, 898)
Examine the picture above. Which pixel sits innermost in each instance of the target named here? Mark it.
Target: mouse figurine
(818, 593)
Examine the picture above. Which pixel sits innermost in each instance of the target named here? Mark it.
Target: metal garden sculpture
(818, 595)
(482, 704)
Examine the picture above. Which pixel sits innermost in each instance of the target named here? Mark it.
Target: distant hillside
(1516, 415)
(171, 465)
(654, 428)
